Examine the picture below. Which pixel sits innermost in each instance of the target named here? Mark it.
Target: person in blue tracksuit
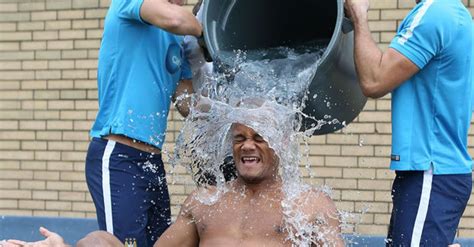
(141, 70)
(428, 68)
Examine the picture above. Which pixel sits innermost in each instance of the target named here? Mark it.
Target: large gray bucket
(259, 24)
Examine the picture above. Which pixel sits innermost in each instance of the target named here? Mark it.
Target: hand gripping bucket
(259, 24)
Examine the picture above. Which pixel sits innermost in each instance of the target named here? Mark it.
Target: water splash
(268, 96)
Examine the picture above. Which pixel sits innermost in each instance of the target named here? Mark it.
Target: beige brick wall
(48, 100)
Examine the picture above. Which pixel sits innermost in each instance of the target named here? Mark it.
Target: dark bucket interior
(261, 24)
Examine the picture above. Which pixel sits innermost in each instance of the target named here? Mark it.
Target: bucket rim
(336, 33)
(332, 42)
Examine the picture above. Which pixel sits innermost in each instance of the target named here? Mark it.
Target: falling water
(266, 95)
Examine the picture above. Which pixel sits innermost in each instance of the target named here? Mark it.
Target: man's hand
(52, 240)
(356, 9)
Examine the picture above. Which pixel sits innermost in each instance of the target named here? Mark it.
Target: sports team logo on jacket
(173, 58)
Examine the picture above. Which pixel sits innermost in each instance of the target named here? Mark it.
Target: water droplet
(361, 142)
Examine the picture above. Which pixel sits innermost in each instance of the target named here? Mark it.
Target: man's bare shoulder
(316, 202)
(318, 197)
(201, 197)
(193, 198)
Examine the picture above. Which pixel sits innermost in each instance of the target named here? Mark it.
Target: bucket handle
(347, 25)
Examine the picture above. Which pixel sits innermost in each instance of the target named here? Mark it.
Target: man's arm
(182, 97)
(331, 223)
(379, 72)
(183, 232)
(328, 220)
(99, 238)
(170, 17)
(322, 212)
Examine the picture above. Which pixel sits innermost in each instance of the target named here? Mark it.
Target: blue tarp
(26, 228)
(73, 229)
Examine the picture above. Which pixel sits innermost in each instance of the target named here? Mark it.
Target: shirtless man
(249, 214)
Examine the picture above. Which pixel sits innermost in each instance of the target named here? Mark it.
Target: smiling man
(250, 212)
(255, 160)
(266, 205)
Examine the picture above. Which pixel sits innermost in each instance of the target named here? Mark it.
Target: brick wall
(48, 100)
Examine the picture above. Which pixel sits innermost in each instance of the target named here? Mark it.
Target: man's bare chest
(261, 219)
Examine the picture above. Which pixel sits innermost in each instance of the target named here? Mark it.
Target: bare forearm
(183, 105)
(170, 17)
(367, 57)
(182, 97)
(182, 22)
(379, 72)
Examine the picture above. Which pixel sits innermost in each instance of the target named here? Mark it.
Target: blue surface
(378, 241)
(73, 229)
(27, 228)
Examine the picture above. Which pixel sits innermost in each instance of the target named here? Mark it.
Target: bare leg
(99, 239)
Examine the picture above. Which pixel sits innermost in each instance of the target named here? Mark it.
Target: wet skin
(250, 213)
(255, 161)
(239, 218)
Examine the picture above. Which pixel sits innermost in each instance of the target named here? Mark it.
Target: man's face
(177, 2)
(254, 159)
